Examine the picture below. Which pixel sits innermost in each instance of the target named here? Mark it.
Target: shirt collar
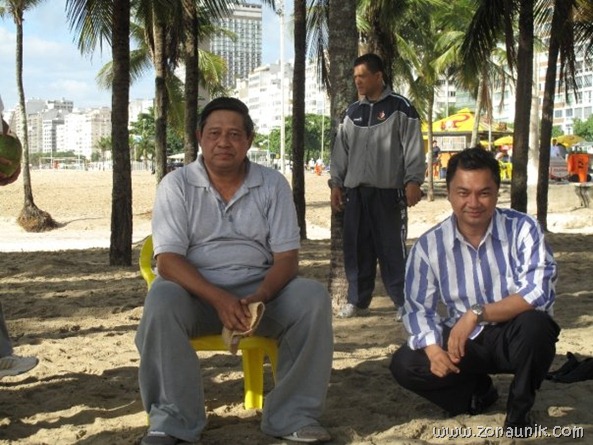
(198, 176)
(495, 229)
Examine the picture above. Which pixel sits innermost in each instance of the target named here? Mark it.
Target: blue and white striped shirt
(512, 258)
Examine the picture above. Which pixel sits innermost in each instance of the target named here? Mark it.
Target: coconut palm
(190, 47)
(120, 248)
(342, 49)
(569, 27)
(95, 23)
(31, 218)
(298, 112)
(493, 19)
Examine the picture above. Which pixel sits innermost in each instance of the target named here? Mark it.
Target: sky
(53, 67)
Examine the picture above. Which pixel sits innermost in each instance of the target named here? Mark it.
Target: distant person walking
(557, 150)
(377, 167)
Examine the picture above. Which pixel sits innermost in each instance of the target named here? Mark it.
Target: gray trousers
(171, 386)
(5, 343)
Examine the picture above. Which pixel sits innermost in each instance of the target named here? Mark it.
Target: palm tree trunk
(479, 100)
(298, 113)
(429, 136)
(522, 107)
(31, 218)
(120, 251)
(559, 17)
(191, 80)
(343, 49)
(161, 99)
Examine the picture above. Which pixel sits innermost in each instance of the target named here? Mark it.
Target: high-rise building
(262, 92)
(243, 53)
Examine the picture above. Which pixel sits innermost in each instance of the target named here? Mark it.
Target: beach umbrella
(505, 140)
(568, 140)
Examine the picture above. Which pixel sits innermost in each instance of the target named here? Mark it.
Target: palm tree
(190, 24)
(493, 19)
(120, 250)
(94, 23)
(31, 218)
(570, 27)
(298, 113)
(342, 49)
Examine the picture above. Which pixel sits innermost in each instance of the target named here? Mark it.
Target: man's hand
(413, 194)
(337, 199)
(233, 313)
(441, 363)
(460, 333)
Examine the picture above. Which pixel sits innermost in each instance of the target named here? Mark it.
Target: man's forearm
(284, 269)
(177, 268)
(505, 309)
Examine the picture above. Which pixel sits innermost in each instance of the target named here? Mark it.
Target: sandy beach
(67, 306)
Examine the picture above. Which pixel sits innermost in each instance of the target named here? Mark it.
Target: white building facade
(262, 92)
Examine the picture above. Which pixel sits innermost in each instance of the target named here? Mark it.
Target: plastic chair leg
(253, 372)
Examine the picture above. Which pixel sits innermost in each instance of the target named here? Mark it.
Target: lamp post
(322, 126)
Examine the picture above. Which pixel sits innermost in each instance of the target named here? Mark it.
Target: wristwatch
(478, 309)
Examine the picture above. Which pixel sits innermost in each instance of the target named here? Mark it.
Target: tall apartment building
(244, 53)
(576, 106)
(262, 93)
(83, 130)
(55, 126)
(42, 118)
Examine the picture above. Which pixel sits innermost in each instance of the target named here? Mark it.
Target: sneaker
(15, 365)
(349, 311)
(400, 314)
(309, 434)
(159, 438)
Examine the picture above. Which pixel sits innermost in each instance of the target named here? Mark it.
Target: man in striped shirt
(495, 275)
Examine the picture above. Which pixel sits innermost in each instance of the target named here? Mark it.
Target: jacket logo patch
(381, 116)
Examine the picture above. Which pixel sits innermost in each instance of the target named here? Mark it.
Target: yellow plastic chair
(253, 349)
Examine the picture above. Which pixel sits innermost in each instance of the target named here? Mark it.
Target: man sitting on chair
(225, 235)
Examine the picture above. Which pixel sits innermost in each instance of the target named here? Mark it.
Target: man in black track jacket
(377, 167)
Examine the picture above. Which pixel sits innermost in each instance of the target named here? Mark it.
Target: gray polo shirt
(232, 242)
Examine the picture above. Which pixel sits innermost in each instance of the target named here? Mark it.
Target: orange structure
(578, 164)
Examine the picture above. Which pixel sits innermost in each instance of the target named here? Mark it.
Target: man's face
(224, 140)
(473, 195)
(368, 84)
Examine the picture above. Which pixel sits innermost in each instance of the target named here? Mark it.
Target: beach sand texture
(66, 305)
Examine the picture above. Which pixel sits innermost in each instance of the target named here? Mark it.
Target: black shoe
(482, 399)
(570, 365)
(521, 429)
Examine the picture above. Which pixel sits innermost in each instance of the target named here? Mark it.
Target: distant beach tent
(454, 132)
(505, 140)
(568, 140)
(463, 122)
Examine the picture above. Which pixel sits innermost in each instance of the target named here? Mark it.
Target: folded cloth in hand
(231, 338)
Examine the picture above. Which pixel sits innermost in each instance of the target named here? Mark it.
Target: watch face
(477, 309)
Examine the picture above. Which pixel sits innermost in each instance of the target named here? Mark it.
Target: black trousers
(524, 346)
(375, 228)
